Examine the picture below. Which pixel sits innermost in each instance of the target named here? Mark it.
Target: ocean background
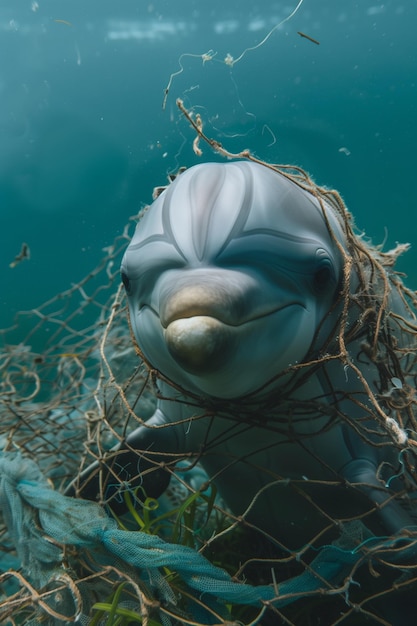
(84, 137)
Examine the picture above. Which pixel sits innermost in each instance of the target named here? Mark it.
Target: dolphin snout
(202, 313)
(199, 315)
(198, 319)
(199, 344)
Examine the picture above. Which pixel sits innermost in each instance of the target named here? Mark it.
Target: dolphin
(243, 287)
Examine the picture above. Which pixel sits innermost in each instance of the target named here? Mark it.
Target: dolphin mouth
(203, 313)
(225, 307)
(198, 311)
(200, 302)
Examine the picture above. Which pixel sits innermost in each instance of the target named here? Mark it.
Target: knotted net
(73, 385)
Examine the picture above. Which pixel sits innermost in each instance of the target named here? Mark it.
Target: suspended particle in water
(344, 150)
(66, 22)
(23, 254)
(208, 56)
(229, 60)
(266, 128)
(77, 53)
(308, 37)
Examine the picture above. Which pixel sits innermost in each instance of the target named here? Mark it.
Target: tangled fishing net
(72, 386)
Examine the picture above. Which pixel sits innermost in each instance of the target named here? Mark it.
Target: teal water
(84, 138)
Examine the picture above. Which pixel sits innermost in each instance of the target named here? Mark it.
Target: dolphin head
(229, 275)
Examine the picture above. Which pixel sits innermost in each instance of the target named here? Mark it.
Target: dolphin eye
(125, 281)
(324, 279)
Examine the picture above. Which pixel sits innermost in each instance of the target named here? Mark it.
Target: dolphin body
(234, 280)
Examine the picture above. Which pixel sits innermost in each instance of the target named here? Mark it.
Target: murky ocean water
(84, 137)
